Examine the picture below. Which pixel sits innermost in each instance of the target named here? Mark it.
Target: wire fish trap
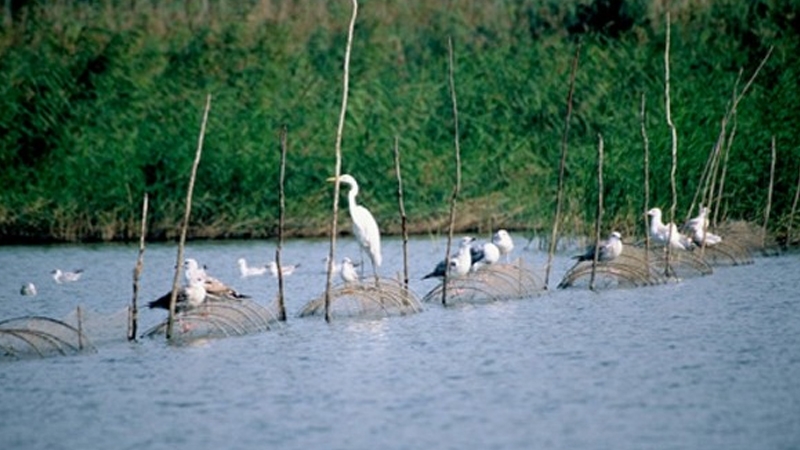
(217, 317)
(387, 298)
(749, 237)
(726, 253)
(682, 263)
(37, 336)
(629, 269)
(489, 284)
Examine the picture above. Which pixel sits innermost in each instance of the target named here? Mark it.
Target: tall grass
(98, 105)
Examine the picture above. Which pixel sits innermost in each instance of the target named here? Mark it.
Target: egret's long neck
(351, 196)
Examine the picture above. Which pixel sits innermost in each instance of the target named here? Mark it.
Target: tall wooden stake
(281, 222)
(646, 208)
(599, 217)
(769, 197)
(457, 187)
(133, 312)
(185, 224)
(674, 135)
(401, 206)
(794, 210)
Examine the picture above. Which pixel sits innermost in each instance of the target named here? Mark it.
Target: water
(712, 362)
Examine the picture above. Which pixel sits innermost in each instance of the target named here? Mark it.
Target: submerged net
(388, 297)
(218, 318)
(490, 283)
(36, 336)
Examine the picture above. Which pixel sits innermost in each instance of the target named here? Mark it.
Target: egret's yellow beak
(331, 179)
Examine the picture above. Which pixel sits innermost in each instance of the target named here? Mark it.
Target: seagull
(697, 229)
(662, 234)
(28, 289)
(458, 265)
(484, 255)
(348, 272)
(212, 285)
(607, 250)
(66, 277)
(365, 228)
(503, 242)
(189, 297)
(335, 268)
(285, 270)
(247, 271)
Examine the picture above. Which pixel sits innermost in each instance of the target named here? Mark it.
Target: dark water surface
(709, 363)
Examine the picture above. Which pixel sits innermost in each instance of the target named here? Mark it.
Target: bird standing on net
(504, 243)
(348, 271)
(484, 255)
(212, 285)
(697, 229)
(457, 265)
(365, 228)
(662, 234)
(189, 297)
(607, 250)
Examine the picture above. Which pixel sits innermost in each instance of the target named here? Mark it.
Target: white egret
(606, 251)
(458, 264)
(504, 243)
(662, 234)
(365, 228)
(66, 277)
(250, 271)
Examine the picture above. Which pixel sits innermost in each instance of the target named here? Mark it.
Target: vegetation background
(101, 101)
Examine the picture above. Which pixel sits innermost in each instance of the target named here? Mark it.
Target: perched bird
(212, 285)
(697, 229)
(335, 267)
(348, 272)
(504, 243)
(286, 270)
(28, 289)
(662, 234)
(248, 271)
(484, 255)
(607, 250)
(365, 228)
(66, 277)
(458, 264)
(189, 297)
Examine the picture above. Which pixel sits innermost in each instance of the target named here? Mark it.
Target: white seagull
(286, 270)
(662, 234)
(335, 267)
(457, 265)
(28, 289)
(66, 277)
(248, 271)
(348, 272)
(697, 228)
(484, 255)
(365, 228)
(504, 243)
(189, 297)
(213, 286)
(606, 251)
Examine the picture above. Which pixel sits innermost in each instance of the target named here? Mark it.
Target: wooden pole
(562, 168)
(185, 224)
(599, 217)
(281, 222)
(401, 206)
(133, 316)
(674, 135)
(79, 316)
(646, 208)
(769, 196)
(338, 169)
(457, 187)
(794, 210)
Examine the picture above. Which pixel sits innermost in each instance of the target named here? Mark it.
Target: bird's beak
(331, 179)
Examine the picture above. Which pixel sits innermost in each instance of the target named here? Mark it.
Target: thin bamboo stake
(133, 316)
(338, 170)
(562, 168)
(185, 224)
(401, 206)
(79, 318)
(794, 209)
(599, 217)
(646, 141)
(674, 135)
(725, 155)
(281, 222)
(457, 187)
(769, 196)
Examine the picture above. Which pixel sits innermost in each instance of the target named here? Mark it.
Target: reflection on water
(711, 362)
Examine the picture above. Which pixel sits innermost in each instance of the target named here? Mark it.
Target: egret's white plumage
(365, 228)
(286, 269)
(608, 249)
(484, 255)
(458, 264)
(504, 243)
(697, 229)
(662, 234)
(66, 277)
(348, 272)
(28, 289)
(250, 271)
